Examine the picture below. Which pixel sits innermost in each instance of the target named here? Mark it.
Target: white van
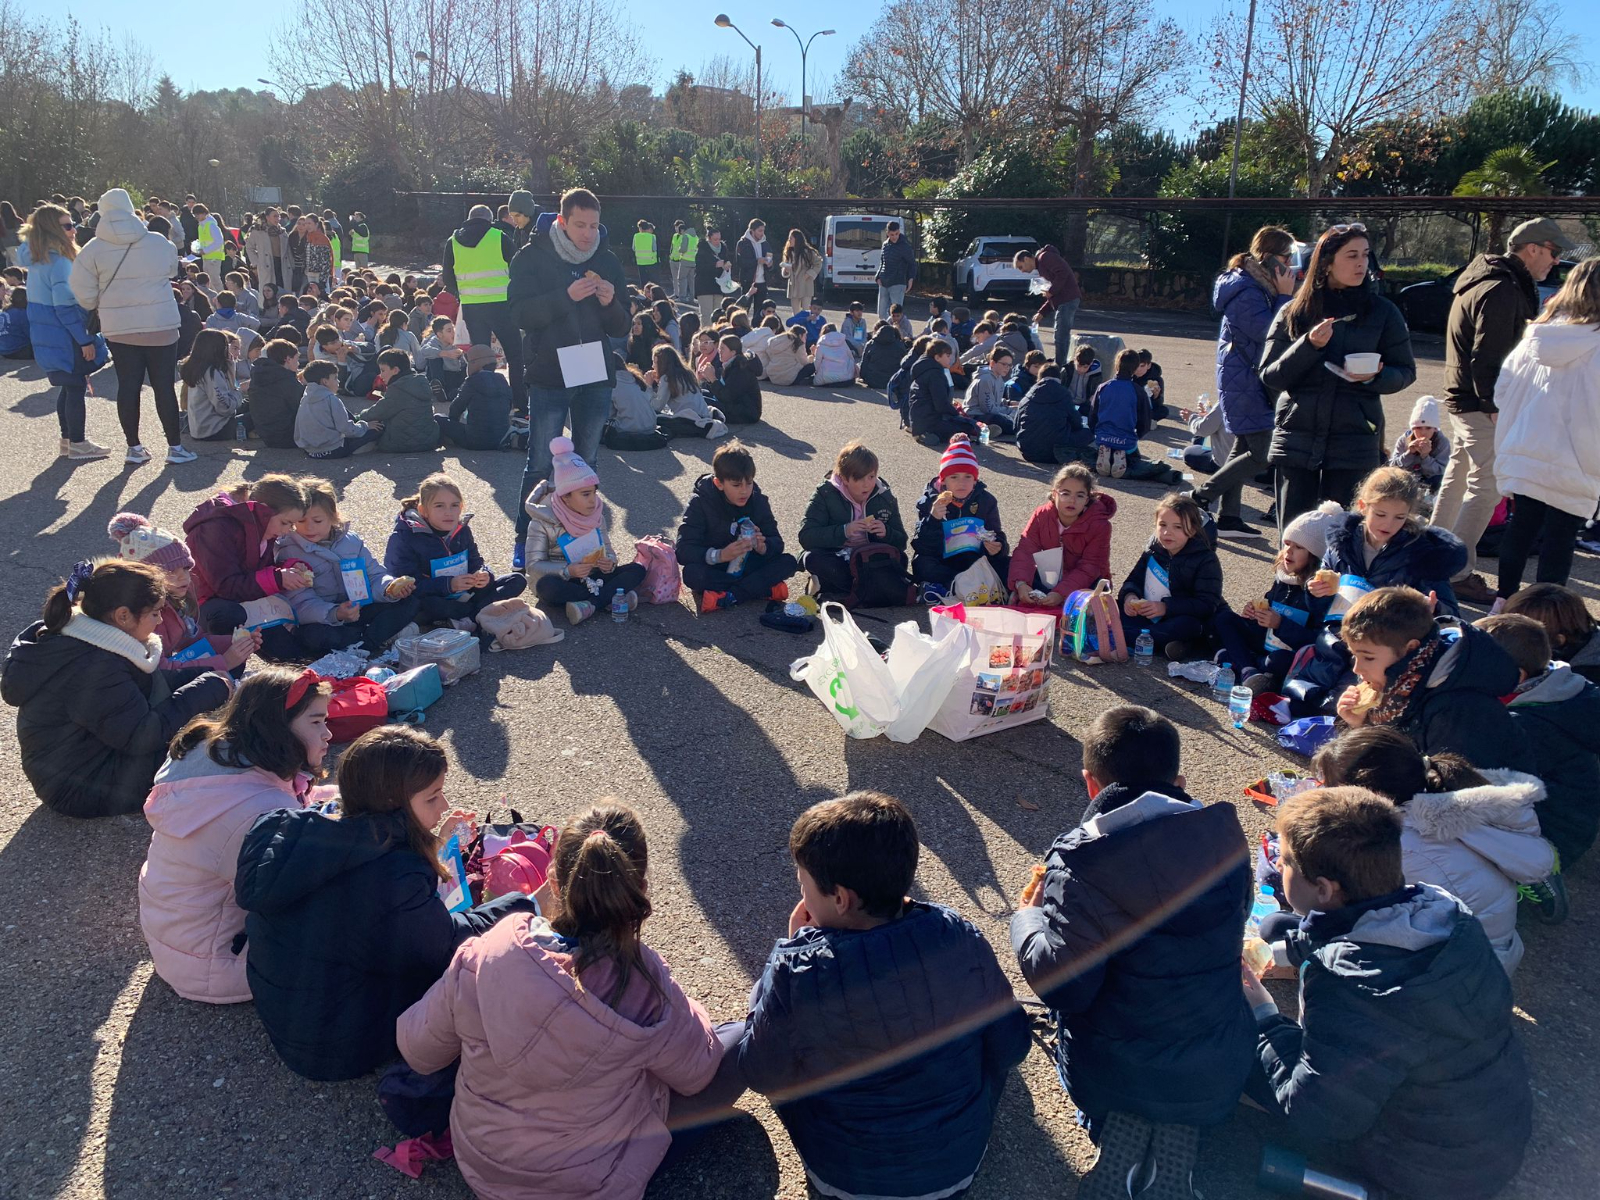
(851, 245)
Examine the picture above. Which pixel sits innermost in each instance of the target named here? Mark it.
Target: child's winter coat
(835, 362)
(1558, 713)
(930, 402)
(1424, 557)
(432, 558)
(689, 406)
(1404, 1053)
(314, 605)
(710, 522)
(274, 402)
(1303, 614)
(406, 411)
(1428, 466)
(1188, 582)
(177, 632)
(231, 322)
(545, 530)
(737, 390)
(927, 538)
(986, 396)
(94, 715)
(633, 407)
(232, 557)
(14, 339)
(560, 1095)
(1085, 545)
(829, 511)
(782, 359)
(1119, 414)
(881, 356)
(432, 349)
(323, 422)
(199, 812)
(1047, 418)
(484, 404)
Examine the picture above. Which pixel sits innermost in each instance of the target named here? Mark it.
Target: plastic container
(1222, 686)
(1144, 649)
(455, 650)
(1239, 705)
(1362, 364)
(1285, 1172)
(619, 608)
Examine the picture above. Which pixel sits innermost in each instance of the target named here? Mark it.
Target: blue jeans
(1064, 317)
(887, 296)
(549, 410)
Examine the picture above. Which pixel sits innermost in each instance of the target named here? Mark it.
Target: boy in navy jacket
(882, 1028)
(723, 561)
(955, 493)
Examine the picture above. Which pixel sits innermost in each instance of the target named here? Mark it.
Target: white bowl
(1363, 364)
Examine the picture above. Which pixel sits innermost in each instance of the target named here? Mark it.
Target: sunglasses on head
(1337, 230)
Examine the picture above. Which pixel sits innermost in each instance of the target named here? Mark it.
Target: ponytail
(1382, 759)
(599, 866)
(100, 588)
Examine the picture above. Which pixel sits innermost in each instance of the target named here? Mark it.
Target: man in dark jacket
(569, 294)
(1495, 297)
(897, 270)
(1062, 293)
(1132, 939)
(1051, 427)
(721, 564)
(275, 391)
(710, 261)
(486, 304)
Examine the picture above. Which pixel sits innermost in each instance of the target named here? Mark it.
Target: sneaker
(1589, 545)
(1550, 894)
(1176, 651)
(466, 624)
(1473, 590)
(1119, 463)
(80, 451)
(1236, 527)
(1124, 1143)
(1203, 504)
(1498, 606)
(66, 446)
(1260, 682)
(1168, 1169)
(180, 454)
(519, 556)
(633, 601)
(579, 611)
(137, 455)
(780, 591)
(713, 601)
(1102, 461)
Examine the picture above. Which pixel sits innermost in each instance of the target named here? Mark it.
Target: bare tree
(1520, 43)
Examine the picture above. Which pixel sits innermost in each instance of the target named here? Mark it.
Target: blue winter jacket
(1047, 418)
(1247, 311)
(1136, 950)
(1118, 414)
(913, 1027)
(419, 550)
(1424, 557)
(14, 336)
(55, 321)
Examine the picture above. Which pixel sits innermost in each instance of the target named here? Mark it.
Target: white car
(986, 269)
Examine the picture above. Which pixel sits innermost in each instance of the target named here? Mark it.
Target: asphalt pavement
(112, 1085)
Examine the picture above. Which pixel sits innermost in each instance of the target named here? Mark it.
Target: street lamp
(805, 46)
(1238, 127)
(723, 22)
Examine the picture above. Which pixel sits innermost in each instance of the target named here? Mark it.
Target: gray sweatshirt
(323, 422)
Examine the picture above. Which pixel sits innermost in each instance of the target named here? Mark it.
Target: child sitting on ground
(581, 979)
(1147, 375)
(683, 409)
(396, 335)
(850, 510)
(352, 600)
(405, 413)
(1423, 449)
(480, 415)
(444, 362)
(880, 357)
(1066, 544)
(901, 322)
(1051, 426)
(260, 753)
(734, 381)
(323, 427)
(343, 917)
(1474, 835)
(954, 509)
(899, 1005)
(1131, 938)
(835, 365)
(1441, 687)
(236, 580)
(15, 338)
(898, 389)
(1175, 588)
(728, 544)
(1558, 711)
(1574, 635)
(986, 397)
(93, 718)
(432, 543)
(930, 410)
(568, 508)
(1028, 371)
(1119, 415)
(210, 395)
(1403, 1063)
(1259, 641)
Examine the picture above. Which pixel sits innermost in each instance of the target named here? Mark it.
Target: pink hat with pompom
(568, 471)
(141, 541)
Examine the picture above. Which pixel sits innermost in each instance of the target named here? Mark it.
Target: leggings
(1528, 518)
(133, 364)
(1244, 645)
(70, 408)
(1188, 630)
(448, 608)
(552, 589)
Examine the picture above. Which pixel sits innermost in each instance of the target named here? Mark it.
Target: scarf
(857, 511)
(575, 522)
(1412, 670)
(146, 656)
(1257, 271)
(566, 249)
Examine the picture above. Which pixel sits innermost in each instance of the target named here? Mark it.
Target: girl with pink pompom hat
(569, 557)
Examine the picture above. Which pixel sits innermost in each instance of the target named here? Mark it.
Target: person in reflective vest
(645, 255)
(209, 243)
(477, 271)
(685, 245)
(360, 238)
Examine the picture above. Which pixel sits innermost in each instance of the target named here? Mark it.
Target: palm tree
(1509, 171)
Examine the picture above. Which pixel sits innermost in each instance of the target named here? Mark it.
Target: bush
(1011, 169)
(1191, 239)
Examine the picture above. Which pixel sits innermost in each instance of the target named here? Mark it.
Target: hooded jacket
(829, 511)
(199, 812)
(1423, 557)
(1456, 706)
(1119, 414)
(856, 1003)
(1558, 713)
(1494, 299)
(632, 405)
(406, 411)
(1404, 1051)
(472, 231)
(927, 538)
(1058, 274)
(986, 395)
(835, 362)
(94, 715)
(314, 605)
(1047, 418)
(232, 557)
(346, 931)
(781, 359)
(930, 396)
(419, 550)
(484, 403)
(125, 273)
(1323, 422)
(322, 421)
(560, 1095)
(1194, 575)
(211, 404)
(709, 521)
(1547, 437)
(1085, 545)
(1247, 310)
(1135, 949)
(1478, 844)
(274, 402)
(737, 389)
(880, 357)
(15, 341)
(538, 296)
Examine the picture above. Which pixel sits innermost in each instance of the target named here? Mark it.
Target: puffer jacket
(1547, 437)
(1478, 844)
(15, 341)
(314, 605)
(560, 1094)
(1423, 557)
(1247, 310)
(1456, 706)
(1404, 1052)
(406, 411)
(737, 389)
(1559, 714)
(55, 319)
(322, 422)
(829, 511)
(930, 400)
(1135, 949)
(419, 550)
(835, 363)
(274, 402)
(538, 296)
(1194, 575)
(94, 715)
(1322, 422)
(542, 551)
(710, 521)
(923, 996)
(1047, 418)
(212, 404)
(881, 356)
(199, 812)
(781, 359)
(232, 557)
(1492, 302)
(125, 272)
(927, 536)
(1085, 545)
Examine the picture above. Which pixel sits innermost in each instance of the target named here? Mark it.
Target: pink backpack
(662, 580)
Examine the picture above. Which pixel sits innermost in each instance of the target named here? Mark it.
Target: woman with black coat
(1328, 423)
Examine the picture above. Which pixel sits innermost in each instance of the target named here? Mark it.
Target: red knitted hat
(958, 458)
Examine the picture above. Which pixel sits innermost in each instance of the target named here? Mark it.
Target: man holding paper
(568, 292)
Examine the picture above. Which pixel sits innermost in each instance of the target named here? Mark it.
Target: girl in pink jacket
(572, 1034)
(258, 753)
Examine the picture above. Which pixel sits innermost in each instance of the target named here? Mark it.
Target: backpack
(662, 578)
(357, 705)
(1091, 628)
(878, 578)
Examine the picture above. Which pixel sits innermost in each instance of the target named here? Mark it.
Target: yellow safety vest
(644, 249)
(335, 250)
(360, 243)
(482, 274)
(684, 246)
(222, 242)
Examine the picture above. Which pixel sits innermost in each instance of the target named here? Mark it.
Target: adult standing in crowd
(298, 251)
(646, 254)
(267, 248)
(360, 237)
(801, 266)
(1495, 298)
(682, 253)
(477, 269)
(897, 270)
(209, 243)
(710, 261)
(190, 223)
(1547, 433)
(1062, 295)
(1247, 296)
(319, 255)
(125, 275)
(1328, 424)
(62, 343)
(569, 293)
(751, 262)
(521, 211)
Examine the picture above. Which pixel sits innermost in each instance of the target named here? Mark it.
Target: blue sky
(678, 35)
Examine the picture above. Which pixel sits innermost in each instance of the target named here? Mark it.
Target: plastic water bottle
(983, 435)
(1144, 649)
(1239, 699)
(619, 608)
(1222, 685)
(240, 433)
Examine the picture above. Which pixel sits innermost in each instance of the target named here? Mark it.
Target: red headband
(302, 684)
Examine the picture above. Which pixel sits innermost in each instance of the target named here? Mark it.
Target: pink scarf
(576, 523)
(857, 511)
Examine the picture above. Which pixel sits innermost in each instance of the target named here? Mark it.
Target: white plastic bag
(1006, 678)
(978, 585)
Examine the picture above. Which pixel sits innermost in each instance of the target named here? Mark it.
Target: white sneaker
(81, 451)
(137, 455)
(66, 445)
(180, 454)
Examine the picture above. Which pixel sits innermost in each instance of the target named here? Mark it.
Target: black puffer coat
(1194, 575)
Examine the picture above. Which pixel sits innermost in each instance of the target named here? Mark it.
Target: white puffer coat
(1547, 437)
(132, 293)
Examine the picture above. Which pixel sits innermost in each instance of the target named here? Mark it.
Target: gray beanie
(523, 202)
(1310, 529)
(480, 212)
